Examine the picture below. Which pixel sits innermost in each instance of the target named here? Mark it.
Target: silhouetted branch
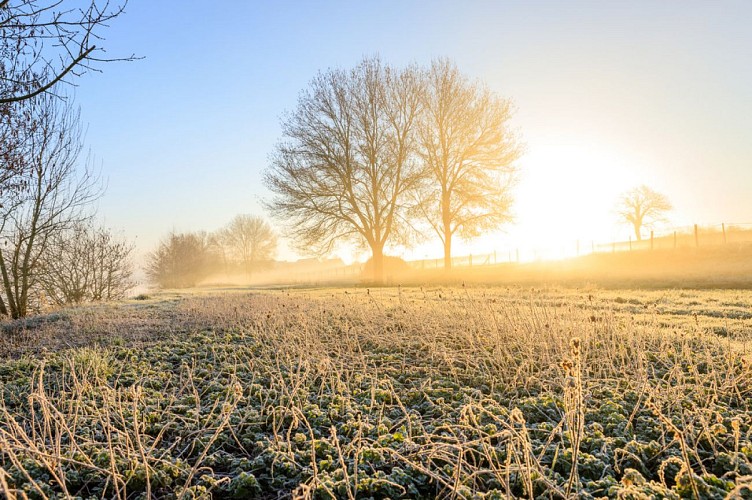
(41, 46)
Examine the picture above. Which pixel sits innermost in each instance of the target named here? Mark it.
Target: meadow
(421, 392)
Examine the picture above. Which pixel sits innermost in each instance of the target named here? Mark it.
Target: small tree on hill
(643, 207)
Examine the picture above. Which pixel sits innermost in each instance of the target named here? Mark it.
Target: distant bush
(182, 260)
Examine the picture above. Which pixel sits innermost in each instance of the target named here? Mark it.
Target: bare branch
(45, 43)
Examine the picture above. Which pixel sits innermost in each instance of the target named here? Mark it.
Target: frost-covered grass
(449, 392)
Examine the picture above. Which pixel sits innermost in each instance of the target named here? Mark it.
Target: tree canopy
(248, 240)
(182, 260)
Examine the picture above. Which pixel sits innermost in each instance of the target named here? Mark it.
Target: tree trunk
(447, 249)
(378, 263)
(637, 232)
(446, 218)
(8, 285)
(637, 219)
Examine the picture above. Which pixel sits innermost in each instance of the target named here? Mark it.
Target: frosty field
(463, 392)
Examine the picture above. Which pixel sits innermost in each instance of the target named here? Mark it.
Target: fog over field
(605, 98)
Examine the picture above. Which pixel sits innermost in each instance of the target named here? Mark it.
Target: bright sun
(564, 203)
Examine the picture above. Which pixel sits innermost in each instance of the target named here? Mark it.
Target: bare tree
(643, 207)
(250, 240)
(16, 125)
(218, 248)
(45, 42)
(86, 264)
(468, 151)
(55, 196)
(345, 164)
(181, 260)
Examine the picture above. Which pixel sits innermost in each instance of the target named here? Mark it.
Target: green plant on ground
(448, 392)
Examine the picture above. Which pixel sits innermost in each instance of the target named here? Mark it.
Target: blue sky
(608, 95)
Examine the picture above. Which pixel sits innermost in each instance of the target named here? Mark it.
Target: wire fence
(677, 238)
(692, 236)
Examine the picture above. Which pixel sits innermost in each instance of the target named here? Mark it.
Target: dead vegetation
(449, 392)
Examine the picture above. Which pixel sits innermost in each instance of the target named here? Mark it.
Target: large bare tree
(643, 207)
(56, 194)
(346, 160)
(45, 42)
(250, 240)
(469, 152)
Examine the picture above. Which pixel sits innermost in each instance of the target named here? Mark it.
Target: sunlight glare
(564, 203)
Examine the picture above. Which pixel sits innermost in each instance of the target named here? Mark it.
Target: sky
(608, 95)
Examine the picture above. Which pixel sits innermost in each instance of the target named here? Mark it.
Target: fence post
(518, 255)
(723, 226)
(651, 239)
(697, 239)
(592, 246)
(494, 256)
(630, 242)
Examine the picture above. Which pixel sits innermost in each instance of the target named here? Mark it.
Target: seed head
(574, 344)
(567, 366)
(735, 424)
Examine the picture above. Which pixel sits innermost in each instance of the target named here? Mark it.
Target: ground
(465, 392)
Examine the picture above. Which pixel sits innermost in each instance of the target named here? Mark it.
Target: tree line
(381, 155)
(244, 246)
(375, 154)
